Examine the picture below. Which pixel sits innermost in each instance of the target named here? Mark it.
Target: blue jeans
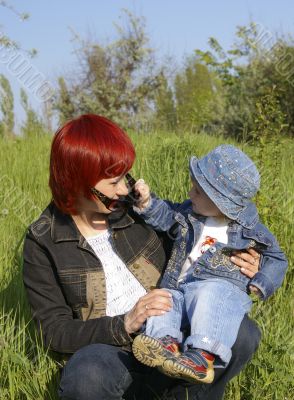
(100, 371)
(212, 308)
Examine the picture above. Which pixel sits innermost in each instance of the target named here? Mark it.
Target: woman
(90, 269)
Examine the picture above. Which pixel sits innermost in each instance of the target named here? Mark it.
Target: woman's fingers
(241, 257)
(156, 302)
(156, 294)
(157, 299)
(247, 261)
(253, 253)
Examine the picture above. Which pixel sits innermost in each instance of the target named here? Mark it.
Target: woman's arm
(61, 331)
(54, 317)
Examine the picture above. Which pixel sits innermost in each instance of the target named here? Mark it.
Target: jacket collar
(248, 217)
(120, 220)
(63, 227)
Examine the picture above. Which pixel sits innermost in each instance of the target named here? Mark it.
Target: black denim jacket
(65, 282)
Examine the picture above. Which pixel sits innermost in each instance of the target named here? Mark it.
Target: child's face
(201, 203)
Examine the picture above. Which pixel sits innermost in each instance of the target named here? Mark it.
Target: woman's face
(113, 188)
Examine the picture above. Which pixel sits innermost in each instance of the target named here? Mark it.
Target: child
(209, 292)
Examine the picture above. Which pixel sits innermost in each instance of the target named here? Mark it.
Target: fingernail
(162, 312)
(243, 269)
(233, 258)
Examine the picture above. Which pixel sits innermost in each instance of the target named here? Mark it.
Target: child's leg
(215, 309)
(162, 335)
(170, 322)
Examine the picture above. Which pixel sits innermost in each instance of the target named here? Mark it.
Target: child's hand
(144, 192)
(255, 290)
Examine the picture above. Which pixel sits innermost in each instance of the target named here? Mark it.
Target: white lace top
(122, 289)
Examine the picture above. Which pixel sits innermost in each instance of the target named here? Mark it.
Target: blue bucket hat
(229, 178)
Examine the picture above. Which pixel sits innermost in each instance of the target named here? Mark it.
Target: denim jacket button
(212, 249)
(197, 270)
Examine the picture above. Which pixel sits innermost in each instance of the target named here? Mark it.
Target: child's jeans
(214, 309)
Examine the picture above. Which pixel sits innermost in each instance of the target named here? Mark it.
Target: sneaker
(194, 365)
(154, 352)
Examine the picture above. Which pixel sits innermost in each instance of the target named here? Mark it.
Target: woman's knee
(96, 371)
(248, 339)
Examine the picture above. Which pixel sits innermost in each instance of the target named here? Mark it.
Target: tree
(33, 126)
(247, 73)
(64, 105)
(6, 107)
(165, 108)
(194, 94)
(118, 80)
(5, 40)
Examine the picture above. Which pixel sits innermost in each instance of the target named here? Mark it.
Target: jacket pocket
(259, 239)
(73, 284)
(145, 272)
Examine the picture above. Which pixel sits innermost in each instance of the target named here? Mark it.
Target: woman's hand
(156, 302)
(248, 261)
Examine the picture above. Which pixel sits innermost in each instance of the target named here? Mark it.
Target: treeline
(216, 91)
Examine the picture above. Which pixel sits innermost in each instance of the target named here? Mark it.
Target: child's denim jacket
(185, 228)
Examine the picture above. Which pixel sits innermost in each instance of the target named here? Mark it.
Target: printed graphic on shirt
(209, 241)
(214, 230)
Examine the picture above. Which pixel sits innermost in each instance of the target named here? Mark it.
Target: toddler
(209, 293)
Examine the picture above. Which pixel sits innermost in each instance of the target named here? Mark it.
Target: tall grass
(26, 369)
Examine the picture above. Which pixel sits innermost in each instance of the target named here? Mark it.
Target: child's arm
(155, 212)
(255, 290)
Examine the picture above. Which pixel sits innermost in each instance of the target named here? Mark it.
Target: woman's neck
(90, 223)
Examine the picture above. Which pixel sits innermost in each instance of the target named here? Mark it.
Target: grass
(26, 370)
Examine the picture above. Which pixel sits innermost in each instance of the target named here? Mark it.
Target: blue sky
(175, 27)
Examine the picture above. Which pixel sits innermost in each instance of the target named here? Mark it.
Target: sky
(175, 27)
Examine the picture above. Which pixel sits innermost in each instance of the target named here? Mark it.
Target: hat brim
(224, 204)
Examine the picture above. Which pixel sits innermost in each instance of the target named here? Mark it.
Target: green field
(27, 371)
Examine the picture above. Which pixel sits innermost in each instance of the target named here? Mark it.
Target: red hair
(84, 151)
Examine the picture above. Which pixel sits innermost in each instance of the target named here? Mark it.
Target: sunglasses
(123, 202)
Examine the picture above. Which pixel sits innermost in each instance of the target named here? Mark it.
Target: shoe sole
(150, 351)
(175, 369)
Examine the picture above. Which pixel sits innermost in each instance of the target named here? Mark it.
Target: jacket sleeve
(160, 214)
(61, 332)
(272, 270)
